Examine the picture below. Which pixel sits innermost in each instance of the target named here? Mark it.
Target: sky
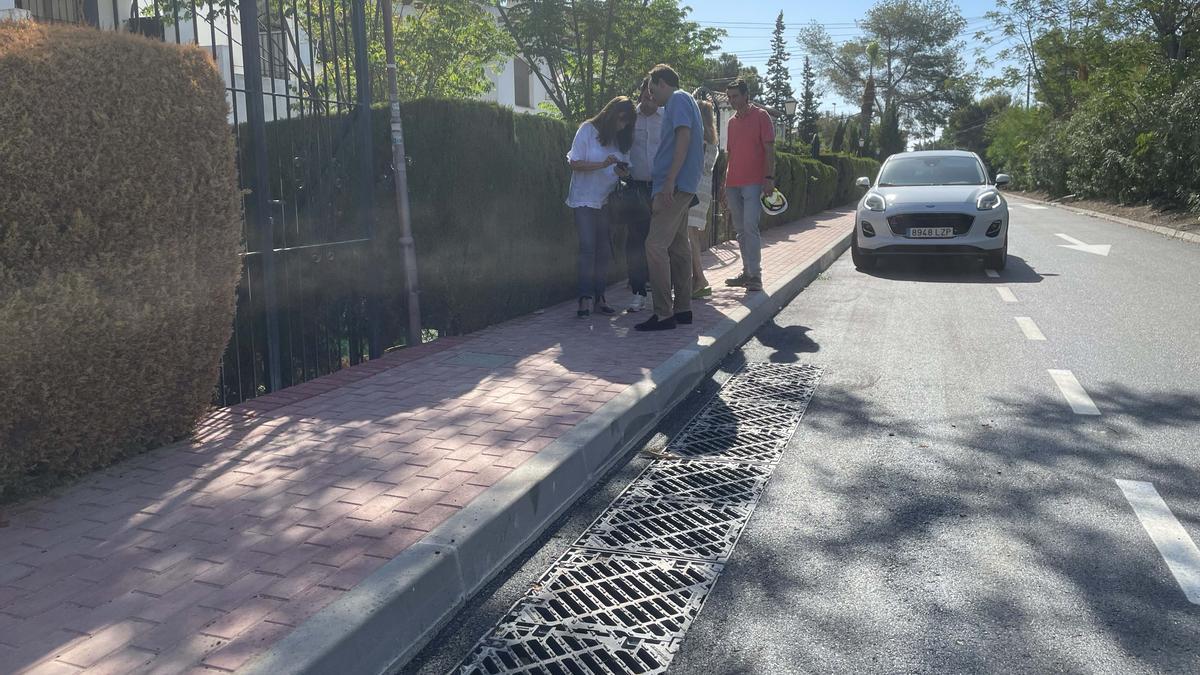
(749, 24)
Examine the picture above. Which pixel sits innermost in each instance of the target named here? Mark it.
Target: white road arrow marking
(1098, 249)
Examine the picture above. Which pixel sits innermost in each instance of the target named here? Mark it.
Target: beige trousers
(669, 258)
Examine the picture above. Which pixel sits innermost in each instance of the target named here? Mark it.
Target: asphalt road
(942, 508)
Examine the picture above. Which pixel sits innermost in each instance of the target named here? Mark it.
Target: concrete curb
(1193, 237)
(385, 620)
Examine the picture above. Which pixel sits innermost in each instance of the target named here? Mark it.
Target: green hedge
(120, 230)
(849, 168)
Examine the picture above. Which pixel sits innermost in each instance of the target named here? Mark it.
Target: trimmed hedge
(120, 229)
(849, 168)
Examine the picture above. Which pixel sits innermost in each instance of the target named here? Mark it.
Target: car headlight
(988, 201)
(875, 202)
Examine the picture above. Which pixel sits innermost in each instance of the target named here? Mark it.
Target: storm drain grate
(516, 648)
(719, 482)
(669, 528)
(621, 599)
(627, 595)
(732, 443)
(751, 414)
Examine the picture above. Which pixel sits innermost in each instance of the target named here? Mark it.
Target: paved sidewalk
(203, 555)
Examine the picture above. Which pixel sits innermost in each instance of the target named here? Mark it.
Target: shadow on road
(956, 270)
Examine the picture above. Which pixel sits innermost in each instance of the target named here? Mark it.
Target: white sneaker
(637, 304)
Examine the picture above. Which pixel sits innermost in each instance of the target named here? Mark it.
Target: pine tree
(891, 140)
(839, 137)
(778, 86)
(809, 101)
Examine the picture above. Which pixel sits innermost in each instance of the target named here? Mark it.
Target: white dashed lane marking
(1076, 397)
(1035, 207)
(1006, 294)
(1029, 328)
(1172, 541)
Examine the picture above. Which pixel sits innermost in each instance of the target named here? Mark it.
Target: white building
(286, 60)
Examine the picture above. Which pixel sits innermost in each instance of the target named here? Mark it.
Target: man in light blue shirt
(676, 177)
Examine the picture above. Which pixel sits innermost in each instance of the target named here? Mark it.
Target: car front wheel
(862, 260)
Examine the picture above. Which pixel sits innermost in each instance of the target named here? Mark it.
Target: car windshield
(946, 170)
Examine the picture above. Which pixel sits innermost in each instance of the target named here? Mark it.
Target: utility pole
(408, 248)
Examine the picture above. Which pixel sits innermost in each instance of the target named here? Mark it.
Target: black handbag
(630, 202)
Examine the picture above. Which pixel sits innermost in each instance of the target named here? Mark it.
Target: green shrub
(119, 237)
(848, 169)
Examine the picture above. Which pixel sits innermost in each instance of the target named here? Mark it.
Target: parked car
(932, 202)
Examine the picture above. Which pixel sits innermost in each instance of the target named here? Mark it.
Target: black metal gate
(299, 85)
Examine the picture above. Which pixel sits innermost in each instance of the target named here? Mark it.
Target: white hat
(774, 203)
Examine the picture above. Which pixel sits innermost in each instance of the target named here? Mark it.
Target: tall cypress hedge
(120, 230)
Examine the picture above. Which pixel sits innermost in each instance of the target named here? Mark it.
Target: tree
(720, 71)
(587, 51)
(779, 82)
(967, 125)
(920, 67)
(838, 138)
(809, 102)
(443, 48)
(891, 139)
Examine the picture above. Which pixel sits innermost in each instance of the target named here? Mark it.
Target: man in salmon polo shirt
(750, 175)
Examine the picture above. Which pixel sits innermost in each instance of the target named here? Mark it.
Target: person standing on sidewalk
(698, 216)
(750, 175)
(647, 134)
(676, 177)
(601, 145)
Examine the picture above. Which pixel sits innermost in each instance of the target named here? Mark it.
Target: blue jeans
(745, 206)
(595, 250)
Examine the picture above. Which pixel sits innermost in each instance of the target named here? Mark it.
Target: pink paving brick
(279, 505)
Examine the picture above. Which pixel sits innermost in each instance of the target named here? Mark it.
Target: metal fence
(307, 302)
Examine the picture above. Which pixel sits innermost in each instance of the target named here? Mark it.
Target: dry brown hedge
(119, 234)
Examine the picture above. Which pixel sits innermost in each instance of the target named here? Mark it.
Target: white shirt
(698, 215)
(647, 134)
(591, 188)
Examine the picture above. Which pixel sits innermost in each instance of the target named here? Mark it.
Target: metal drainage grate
(731, 443)
(627, 595)
(756, 413)
(516, 648)
(669, 528)
(717, 482)
(621, 599)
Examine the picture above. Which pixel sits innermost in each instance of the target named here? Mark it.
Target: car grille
(961, 222)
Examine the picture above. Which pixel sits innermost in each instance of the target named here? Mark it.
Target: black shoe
(585, 306)
(739, 280)
(683, 318)
(753, 283)
(655, 323)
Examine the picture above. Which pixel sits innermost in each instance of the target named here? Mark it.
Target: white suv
(933, 202)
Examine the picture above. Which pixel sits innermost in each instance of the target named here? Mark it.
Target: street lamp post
(789, 110)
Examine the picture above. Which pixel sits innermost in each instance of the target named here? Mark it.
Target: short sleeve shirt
(591, 188)
(747, 157)
(681, 111)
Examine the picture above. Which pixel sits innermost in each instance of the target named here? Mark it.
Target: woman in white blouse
(598, 157)
(698, 215)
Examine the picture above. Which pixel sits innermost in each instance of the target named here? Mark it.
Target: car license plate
(930, 232)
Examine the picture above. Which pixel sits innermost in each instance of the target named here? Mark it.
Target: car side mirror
(1002, 179)
(863, 182)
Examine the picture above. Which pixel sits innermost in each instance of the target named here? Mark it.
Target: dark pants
(635, 250)
(595, 250)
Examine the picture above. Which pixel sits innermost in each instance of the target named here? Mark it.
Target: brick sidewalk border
(331, 504)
